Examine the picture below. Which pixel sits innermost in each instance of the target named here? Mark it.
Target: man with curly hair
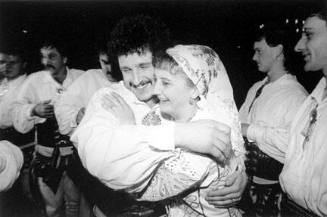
(101, 141)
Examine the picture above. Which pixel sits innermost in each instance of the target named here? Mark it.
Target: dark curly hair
(137, 33)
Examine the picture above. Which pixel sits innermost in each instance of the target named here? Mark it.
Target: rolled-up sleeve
(11, 162)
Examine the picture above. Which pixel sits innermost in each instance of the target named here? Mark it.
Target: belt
(292, 209)
(48, 151)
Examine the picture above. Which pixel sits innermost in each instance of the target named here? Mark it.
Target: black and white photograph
(163, 108)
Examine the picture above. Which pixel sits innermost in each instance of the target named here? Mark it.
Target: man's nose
(299, 45)
(255, 58)
(45, 61)
(135, 77)
(157, 88)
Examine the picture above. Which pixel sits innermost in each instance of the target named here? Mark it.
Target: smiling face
(313, 44)
(138, 74)
(174, 91)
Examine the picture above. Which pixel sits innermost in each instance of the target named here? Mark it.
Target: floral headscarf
(204, 67)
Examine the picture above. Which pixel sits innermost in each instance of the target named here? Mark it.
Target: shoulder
(36, 76)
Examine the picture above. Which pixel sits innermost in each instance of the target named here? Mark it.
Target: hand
(231, 193)
(3, 164)
(244, 128)
(80, 115)
(43, 109)
(205, 136)
(116, 105)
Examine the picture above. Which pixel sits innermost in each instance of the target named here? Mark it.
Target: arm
(11, 161)
(273, 140)
(68, 108)
(105, 145)
(23, 106)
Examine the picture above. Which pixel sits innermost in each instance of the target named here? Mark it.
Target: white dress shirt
(39, 86)
(11, 162)
(78, 96)
(101, 141)
(271, 114)
(304, 176)
(8, 92)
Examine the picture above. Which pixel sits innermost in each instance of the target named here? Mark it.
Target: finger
(224, 194)
(46, 101)
(107, 102)
(218, 154)
(120, 99)
(231, 179)
(225, 204)
(222, 147)
(222, 127)
(226, 198)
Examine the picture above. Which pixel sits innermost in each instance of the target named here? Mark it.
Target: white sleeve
(274, 140)
(22, 108)
(11, 161)
(107, 148)
(68, 106)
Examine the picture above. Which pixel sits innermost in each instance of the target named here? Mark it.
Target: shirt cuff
(29, 113)
(160, 137)
(73, 123)
(254, 132)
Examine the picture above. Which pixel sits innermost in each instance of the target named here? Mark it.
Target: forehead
(3, 56)
(103, 56)
(135, 58)
(315, 24)
(260, 44)
(45, 51)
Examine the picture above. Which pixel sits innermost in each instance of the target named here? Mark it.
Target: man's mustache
(48, 66)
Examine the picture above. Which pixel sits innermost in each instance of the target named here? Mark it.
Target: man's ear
(279, 50)
(65, 60)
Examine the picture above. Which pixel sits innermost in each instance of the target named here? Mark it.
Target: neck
(13, 78)
(61, 75)
(187, 113)
(275, 73)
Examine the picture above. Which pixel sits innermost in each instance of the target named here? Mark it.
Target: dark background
(225, 25)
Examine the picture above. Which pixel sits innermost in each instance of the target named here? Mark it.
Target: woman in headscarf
(191, 84)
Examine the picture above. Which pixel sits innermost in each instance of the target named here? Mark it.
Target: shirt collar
(319, 90)
(49, 79)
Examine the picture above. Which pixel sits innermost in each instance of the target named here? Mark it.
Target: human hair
(277, 35)
(138, 33)
(56, 43)
(161, 60)
(320, 14)
(15, 49)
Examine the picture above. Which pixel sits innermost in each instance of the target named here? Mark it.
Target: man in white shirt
(70, 110)
(266, 115)
(71, 106)
(34, 107)
(14, 76)
(304, 175)
(100, 141)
